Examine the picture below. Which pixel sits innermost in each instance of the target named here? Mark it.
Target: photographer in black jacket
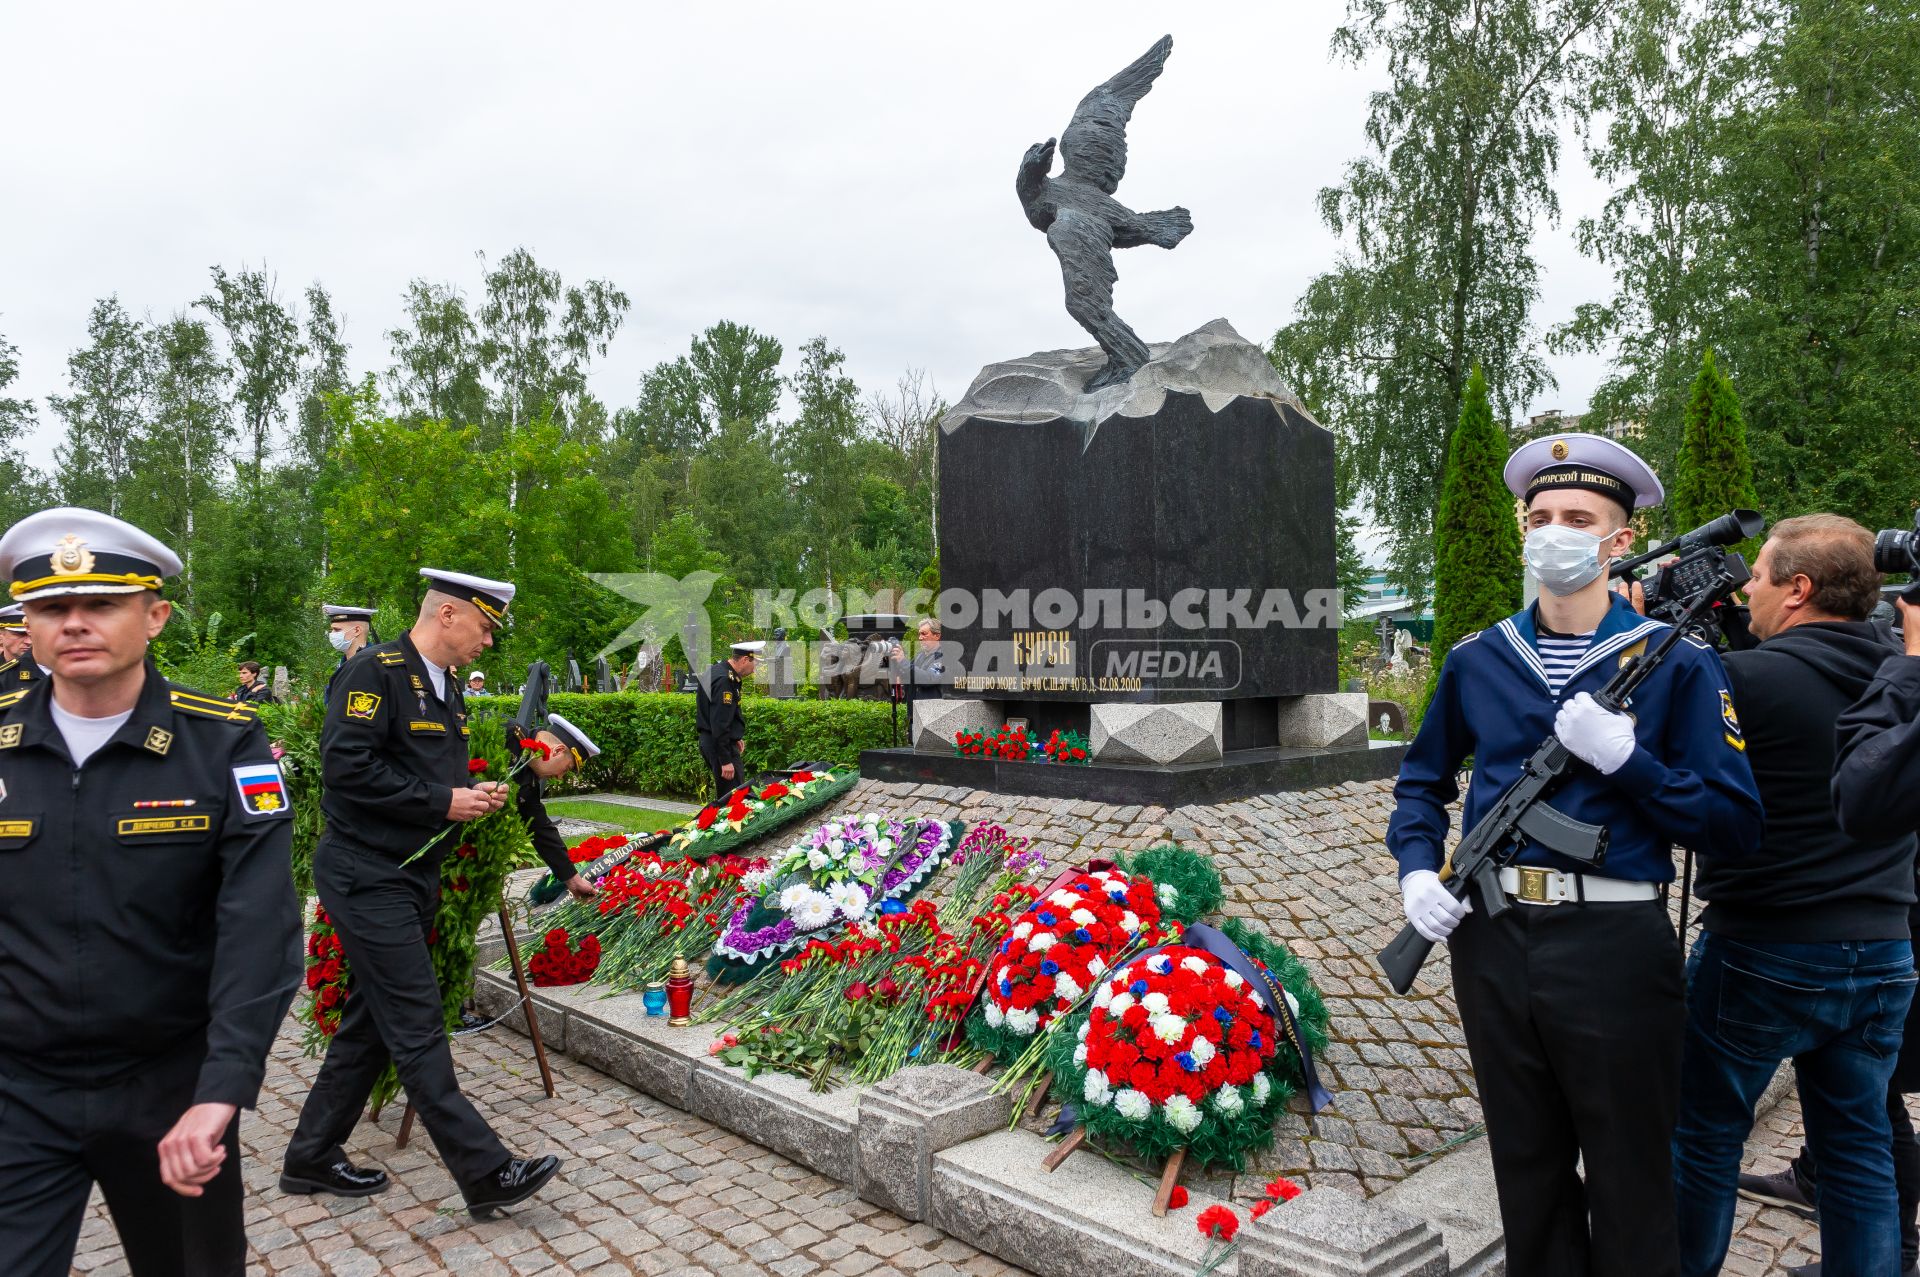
(1805, 948)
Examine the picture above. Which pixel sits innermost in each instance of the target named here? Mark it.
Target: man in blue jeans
(1805, 951)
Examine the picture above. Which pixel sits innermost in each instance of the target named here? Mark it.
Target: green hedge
(648, 743)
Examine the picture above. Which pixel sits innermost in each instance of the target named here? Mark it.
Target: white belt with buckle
(1551, 887)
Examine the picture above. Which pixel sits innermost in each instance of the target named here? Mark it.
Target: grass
(620, 815)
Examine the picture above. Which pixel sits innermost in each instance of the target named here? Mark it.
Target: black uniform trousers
(1574, 1016)
(383, 913)
(718, 753)
(57, 1139)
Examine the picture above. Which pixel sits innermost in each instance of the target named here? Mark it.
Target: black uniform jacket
(716, 708)
(392, 752)
(149, 900)
(530, 801)
(20, 672)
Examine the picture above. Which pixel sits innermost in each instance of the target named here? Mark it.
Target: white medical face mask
(339, 640)
(1564, 559)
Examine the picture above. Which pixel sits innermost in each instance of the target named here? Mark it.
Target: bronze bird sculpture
(1082, 220)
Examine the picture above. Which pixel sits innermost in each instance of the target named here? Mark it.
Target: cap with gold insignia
(1594, 463)
(13, 617)
(751, 647)
(73, 551)
(338, 612)
(576, 740)
(491, 597)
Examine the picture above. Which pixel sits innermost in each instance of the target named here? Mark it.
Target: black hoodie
(1808, 882)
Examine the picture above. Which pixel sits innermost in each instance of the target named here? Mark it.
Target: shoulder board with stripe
(11, 699)
(392, 658)
(9, 667)
(233, 712)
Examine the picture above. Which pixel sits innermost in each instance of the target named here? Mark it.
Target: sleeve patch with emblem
(362, 705)
(262, 792)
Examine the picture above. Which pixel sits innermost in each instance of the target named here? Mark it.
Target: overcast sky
(834, 169)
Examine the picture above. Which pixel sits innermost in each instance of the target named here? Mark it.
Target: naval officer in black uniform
(567, 748)
(349, 629)
(149, 938)
(17, 667)
(394, 758)
(718, 720)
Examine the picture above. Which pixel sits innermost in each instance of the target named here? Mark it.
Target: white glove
(1600, 738)
(1430, 907)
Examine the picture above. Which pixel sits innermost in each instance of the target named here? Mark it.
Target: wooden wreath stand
(533, 1028)
(1168, 1176)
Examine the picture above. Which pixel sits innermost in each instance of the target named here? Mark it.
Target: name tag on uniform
(164, 825)
(421, 725)
(16, 828)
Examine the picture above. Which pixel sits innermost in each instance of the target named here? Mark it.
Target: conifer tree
(1477, 577)
(1715, 471)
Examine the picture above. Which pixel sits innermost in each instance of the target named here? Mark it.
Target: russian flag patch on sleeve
(262, 791)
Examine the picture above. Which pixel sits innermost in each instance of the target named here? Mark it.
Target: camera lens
(1896, 551)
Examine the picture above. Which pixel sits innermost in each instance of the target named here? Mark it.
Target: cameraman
(1804, 949)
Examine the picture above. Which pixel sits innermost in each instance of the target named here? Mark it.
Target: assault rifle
(1522, 815)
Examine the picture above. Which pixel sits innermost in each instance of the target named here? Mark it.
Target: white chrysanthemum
(1065, 986)
(790, 898)
(1082, 916)
(1096, 1089)
(1261, 1088)
(1084, 1026)
(1120, 1004)
(1025, 1023)
(1197, 965)
(1130, 922)
(1228, 1100)
(1042, 941)
(1233, 979)
(1169, 1028)
(1293, 1003)
(1181, 1113)
(1201, 1051)
(814, 911)
(850, 898)
(1080, 1054)
(1160, 964)
(1166, 893)
(1132, 1105)
(1021, 930)
(1065, 899)
(1156, 1003)
(1103, 997)
(995, 1016)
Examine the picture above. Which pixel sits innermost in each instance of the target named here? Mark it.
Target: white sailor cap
(13, 617)
(576, 740)
(339, 612)
(1591, 462)
(750, 647)
(491, 597)
(73, 551)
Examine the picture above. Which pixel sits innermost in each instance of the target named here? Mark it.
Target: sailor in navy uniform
(718, 716)
(1572, 1001)
(394, 757)
(567, 748)
(17, 667)
(149, 936)
(349, 629)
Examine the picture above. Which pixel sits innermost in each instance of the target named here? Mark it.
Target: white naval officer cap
(13, 617)
(1594, 463)
(750, 647)
(68, 550)
(491, 597)
(340, 612)
(576, 740)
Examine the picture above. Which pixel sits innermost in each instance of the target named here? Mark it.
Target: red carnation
(1283, 1189)
(857, 991)
(475, 766)
(1179, 1197)
(1218, 1221)
(1260, 1208)
(706, 818)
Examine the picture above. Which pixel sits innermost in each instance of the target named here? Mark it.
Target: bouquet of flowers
(558, 963)
(326, 982)
(753, 813)
(842, 873)
(597, 857)
(1180, 1050)
(1068, 938)
(651, 910)
(1011, 744)
(1067, 747)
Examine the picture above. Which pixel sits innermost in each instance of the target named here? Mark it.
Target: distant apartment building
(1554, 422)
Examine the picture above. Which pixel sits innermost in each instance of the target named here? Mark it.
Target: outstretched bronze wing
(1094, 146)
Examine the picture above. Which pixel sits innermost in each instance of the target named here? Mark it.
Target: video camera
(1702, 565)
(1895, 550)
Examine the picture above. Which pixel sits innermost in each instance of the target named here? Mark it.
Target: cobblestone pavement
(646, 1189)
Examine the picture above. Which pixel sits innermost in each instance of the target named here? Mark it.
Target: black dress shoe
(512, 1184)
(342, 1179)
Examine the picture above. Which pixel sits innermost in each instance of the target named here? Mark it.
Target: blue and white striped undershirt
(1559, 653)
